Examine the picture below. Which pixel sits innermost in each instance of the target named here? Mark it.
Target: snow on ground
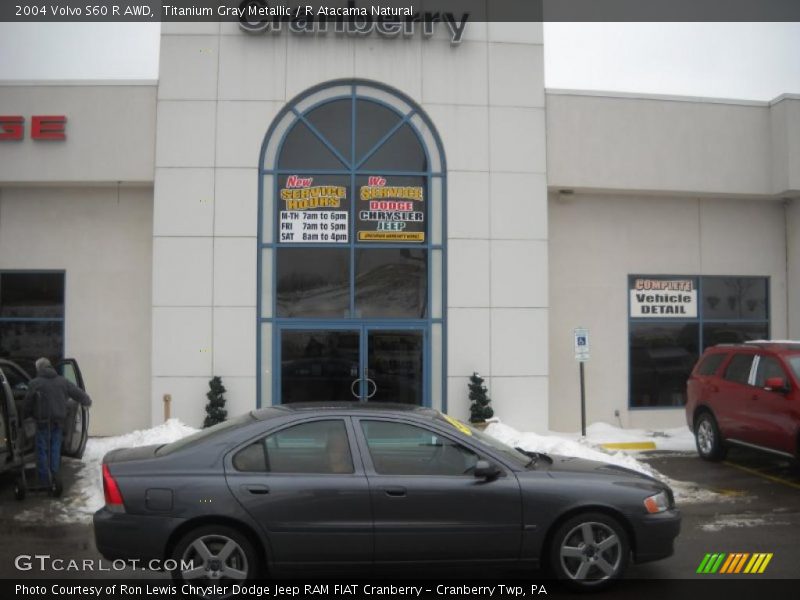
(736, 521)
(551, 443)
(589, 448)
(678, 439)
(85, 496)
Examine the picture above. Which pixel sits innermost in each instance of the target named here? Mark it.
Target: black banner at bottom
(426, 589)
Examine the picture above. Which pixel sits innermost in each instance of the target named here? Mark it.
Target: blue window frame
(326, 144)
(663, 346)
(31, 316)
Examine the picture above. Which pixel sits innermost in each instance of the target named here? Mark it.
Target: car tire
(708, 439)
(589, 551)
(226, 555)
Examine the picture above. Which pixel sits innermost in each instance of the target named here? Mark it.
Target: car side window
(738, 370)
(768, 367)
(16, 379)
(403, 449)
(318, 447)
(710, 364)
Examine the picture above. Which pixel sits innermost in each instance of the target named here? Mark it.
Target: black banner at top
(380, 11)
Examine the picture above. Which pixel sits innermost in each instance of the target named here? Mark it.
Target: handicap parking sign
(581, 344)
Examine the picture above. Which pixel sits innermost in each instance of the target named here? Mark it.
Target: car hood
(570, 466)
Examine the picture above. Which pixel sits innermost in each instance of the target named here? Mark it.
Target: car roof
(6, 361)
(773, 345)
(384, 408)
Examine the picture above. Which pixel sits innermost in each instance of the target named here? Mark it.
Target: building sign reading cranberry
(390, 213)
(659, 298)
(309, 212)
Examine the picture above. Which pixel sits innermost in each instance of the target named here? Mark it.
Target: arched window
(351, 250)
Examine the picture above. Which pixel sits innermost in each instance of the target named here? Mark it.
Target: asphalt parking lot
(757, 510)
(755, 507)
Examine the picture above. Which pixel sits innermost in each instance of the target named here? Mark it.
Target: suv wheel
(215, 553)
(589, 551)
(708, 439)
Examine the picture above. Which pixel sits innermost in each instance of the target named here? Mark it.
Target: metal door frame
(363, 328)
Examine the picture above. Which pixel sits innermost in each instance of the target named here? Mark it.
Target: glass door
(319, 365)
(376, 364)
(395, 365)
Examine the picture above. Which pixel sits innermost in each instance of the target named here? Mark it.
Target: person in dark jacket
(46, 401)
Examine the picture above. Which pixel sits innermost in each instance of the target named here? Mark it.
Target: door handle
(395, 492)
(754, 397)
(258, 490)
(353, 391)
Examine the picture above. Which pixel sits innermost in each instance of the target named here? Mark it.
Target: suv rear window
(710, 364)
(738, 369)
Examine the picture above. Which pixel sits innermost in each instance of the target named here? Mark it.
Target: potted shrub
(479, 409)
(215, 409)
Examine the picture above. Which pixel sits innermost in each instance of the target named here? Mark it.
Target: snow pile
(557, 444)
(588, 448)
(83, 498)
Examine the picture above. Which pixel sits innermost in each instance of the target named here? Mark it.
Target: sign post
(582, 355)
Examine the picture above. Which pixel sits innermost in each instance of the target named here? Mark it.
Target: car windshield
(515, 455)
(203, 434)
(794, 362)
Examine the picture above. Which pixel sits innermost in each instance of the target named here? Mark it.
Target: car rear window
(710, 364)
(738, 369)
(196, 438)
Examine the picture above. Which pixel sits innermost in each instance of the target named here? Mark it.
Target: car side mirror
(776, 384)
(486, 470)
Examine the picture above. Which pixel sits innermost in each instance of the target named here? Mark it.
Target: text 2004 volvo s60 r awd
(361, 485)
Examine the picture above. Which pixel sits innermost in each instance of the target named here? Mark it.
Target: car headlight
(657, 503)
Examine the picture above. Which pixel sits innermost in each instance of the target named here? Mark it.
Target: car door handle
(395, 492)
(258, 490)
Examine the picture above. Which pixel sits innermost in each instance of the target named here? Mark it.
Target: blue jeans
(48, 460)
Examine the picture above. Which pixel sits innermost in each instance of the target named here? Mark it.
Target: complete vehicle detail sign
(659, 298)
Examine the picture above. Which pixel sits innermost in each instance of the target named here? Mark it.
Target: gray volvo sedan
(368, 485)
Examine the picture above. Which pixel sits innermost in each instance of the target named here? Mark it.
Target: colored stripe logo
(734, 562)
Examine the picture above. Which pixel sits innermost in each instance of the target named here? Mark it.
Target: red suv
(746, 394)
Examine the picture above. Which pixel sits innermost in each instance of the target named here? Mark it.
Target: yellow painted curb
(629, 446)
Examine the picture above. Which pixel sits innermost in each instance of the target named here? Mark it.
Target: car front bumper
(125, 536)
(655, 535)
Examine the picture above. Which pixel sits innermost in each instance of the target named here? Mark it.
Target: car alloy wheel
(215, 553)
(707, 438)
(590, 551)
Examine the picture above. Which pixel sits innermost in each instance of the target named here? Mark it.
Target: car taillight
(111, 489)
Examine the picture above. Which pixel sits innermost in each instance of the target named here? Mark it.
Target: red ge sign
(43, 127)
